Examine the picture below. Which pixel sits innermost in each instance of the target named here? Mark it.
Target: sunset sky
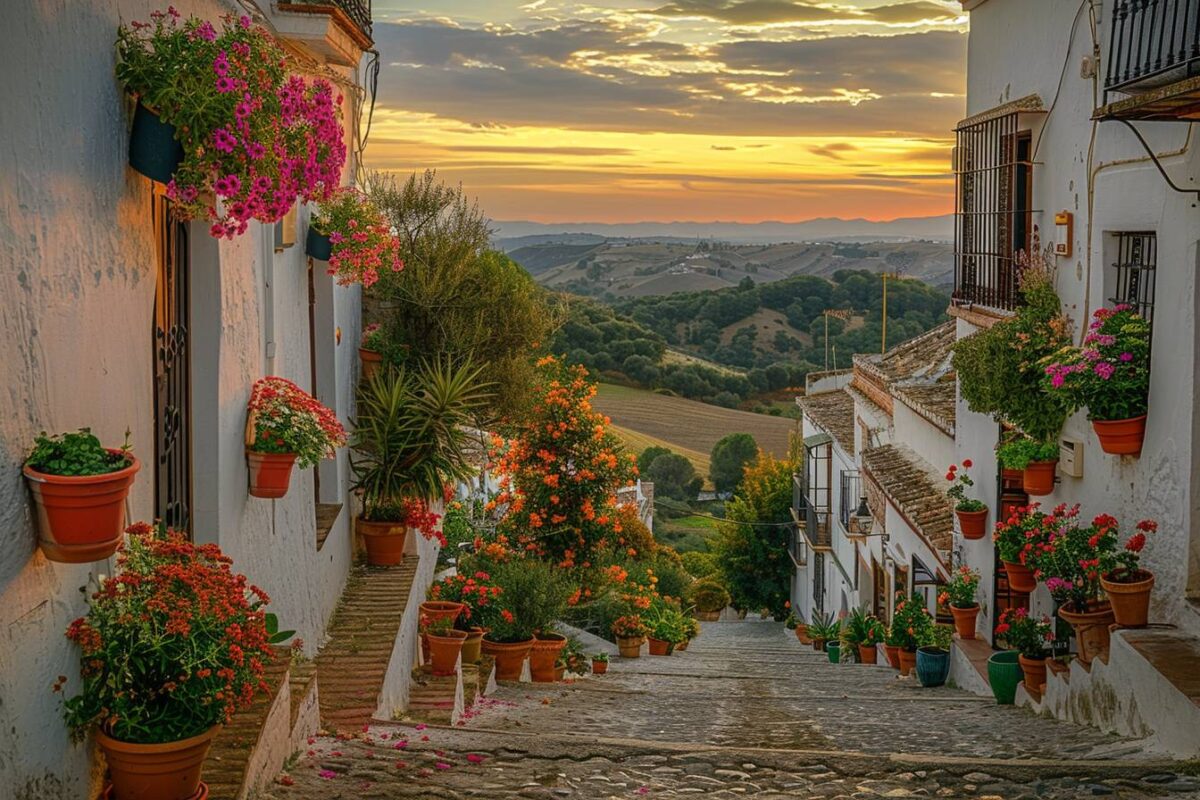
(662, 110)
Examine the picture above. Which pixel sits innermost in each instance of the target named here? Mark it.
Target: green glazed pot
(833, 650)
(153, 149)
(1004, 673)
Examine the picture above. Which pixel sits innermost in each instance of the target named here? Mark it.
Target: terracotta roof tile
(924, 357)
(917, 492)
(832, 412)
(933, 401)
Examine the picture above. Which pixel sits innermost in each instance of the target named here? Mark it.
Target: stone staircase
(351, 668)
(442, 699)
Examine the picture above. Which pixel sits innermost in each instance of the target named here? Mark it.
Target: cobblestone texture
(746, 712)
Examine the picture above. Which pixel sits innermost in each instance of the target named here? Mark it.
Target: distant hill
(816, 230)
(618, 269)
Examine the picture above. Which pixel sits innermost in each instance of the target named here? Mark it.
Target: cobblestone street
(745, 712)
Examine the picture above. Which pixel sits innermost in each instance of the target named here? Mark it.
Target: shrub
(730, 457)
(698, 564)
(532, 595)
(708, 595)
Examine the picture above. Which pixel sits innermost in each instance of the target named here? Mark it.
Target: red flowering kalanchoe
(254, 136)
(172, 645)
(363, 243)
(286, 419)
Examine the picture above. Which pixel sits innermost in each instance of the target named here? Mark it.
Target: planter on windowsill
(1121, 437)
(153, 149)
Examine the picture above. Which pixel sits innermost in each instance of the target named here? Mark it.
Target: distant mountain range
(939, 229)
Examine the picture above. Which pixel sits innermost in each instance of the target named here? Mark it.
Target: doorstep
(968, 665)
(443, 699)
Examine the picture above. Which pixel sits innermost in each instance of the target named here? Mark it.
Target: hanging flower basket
(354, 236)
(1121, 437)
(973, 524)
(270, 473)
(317, 244)
(154, 150)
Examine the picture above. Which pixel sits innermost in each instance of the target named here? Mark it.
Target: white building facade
(1080, 128)
(116, 315)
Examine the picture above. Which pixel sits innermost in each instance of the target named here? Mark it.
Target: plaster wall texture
(1127, 194)
(928, 441)
(77, 288)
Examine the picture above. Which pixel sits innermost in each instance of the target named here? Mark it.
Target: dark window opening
(1137, 258)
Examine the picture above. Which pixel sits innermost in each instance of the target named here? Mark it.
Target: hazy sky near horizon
(660, 110)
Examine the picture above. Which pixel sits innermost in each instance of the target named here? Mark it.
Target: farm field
(643, 418)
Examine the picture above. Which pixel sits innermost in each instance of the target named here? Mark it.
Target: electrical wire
(1062, 76)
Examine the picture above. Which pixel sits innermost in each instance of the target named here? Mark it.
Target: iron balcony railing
(1152, 43)
(357, 10)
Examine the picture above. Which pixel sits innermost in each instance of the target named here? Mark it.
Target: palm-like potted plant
(1110, 376)
(971, 512)
(79, 489)
(863, 632)
(1030, 637)
(285, 425)
(960, 595)
(409, 441)
(823, 629)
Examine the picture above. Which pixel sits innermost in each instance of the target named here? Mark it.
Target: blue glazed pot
(153, 149)
(933, 666)
(318, 245)
(833, 650)
(1004, 673)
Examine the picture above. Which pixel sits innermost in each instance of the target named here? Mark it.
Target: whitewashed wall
(1128, 195)
(77, 285)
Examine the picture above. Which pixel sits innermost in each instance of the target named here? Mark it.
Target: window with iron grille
(1133, 270)
(851, 496)
(818, 582)
(993, 210)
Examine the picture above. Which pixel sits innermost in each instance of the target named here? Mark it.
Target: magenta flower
(327, 774)
(1105, 370)
(225, 84)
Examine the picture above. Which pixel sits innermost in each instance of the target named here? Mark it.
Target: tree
(752, 545)
(647, 456)
(729, 459)
(673, 477)
(457, 297)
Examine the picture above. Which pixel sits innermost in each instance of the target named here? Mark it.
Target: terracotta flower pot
(437, 610)
(1039, 477)
(1130, 600)
(270, 473)
(544, 656)
(708, 616)
(630, 646)
(472, 646)
(892, 652)
(599, 667)
(818, 644)
(1034, 670)
(802, 634)
(1020, 577)
(1091, 631)
(510, 657)
(964, 620)
(908, 660)
(659, 647)
(868, 654)
(80, 518)
(973, 524)
(383, 541)
(371, 363)
(1012, 475)
(167, 771)
(444, 650)
(681, 646)
(1121, 437)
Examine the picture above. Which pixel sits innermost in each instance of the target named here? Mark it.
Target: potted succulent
(353, 235)
(1018, 539)
(171, 646)
(1070, 561)
(445, 645)
(1127, 585)
(409, 440)
(1110, 376)
(599, 663)
(960, 595)
(285, 425)
(532, 595)
(1038, 461)
(862, 633)
(823, 629)
(933, 656)
(1029, 637)
(911, 622)
(710, 598)
(630, 632)
(971, 513)
(224, 124)
(79, 489)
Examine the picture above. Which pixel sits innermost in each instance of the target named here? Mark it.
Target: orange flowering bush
(171, 646)
(560, 471)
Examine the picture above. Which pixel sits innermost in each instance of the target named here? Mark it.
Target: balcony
(1154, 60)
(331, 31)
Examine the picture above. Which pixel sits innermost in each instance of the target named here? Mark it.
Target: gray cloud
(766, 12)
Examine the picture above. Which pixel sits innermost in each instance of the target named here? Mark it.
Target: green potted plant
(1017, 540)
(599, 663)
(971, 512)
(665, 627)
(285, 425)
(1030, 638)
(691, 629)
(353, 235)
(823, 629)
(863, 633)
(1037, 461)
(910, 625)
(409, 441)
(1110, 376)
(933, 656)
(172, 645)
(795, 623)
(960, 595)
(79, 489)
(532, 595)
(630, 632)
(224, 123)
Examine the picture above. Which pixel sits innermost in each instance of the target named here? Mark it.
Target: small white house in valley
(1081, 128)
